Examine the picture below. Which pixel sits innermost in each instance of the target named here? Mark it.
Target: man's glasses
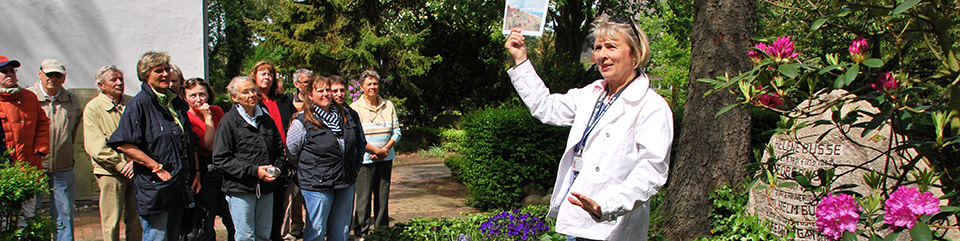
(625, 20)
(8, 71)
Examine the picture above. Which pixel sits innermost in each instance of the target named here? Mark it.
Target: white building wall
(87, 34)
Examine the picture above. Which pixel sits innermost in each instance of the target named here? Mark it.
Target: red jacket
(26, 127)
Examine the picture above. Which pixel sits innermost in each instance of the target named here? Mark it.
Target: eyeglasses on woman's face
(159, 70)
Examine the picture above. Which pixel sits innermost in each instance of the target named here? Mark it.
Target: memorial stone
(850, 153)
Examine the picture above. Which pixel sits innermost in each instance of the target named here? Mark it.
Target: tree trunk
(573, 24)
(711, 151)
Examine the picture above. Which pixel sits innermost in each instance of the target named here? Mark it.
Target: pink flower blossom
(906, 204)
(858, 50)
(886, 83)
(758, 56)
(836, 214)
(771, 99)
(782, 50)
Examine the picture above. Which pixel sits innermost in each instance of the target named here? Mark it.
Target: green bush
(452, 139)
(732, 222)
(456, 164)
(19, 182)
(417, 138)
(505, 149)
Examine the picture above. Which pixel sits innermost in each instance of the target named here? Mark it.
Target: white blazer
(625, 159)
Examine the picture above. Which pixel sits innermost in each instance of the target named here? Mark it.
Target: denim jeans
(252, 216)
(328, 214)
(29, 210)
(61, 203)
(162, 226)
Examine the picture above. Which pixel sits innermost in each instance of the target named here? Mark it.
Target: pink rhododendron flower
(886, 82)
(858, 50)
(771, 99)
(906, 204)
(836, 214)
(758, 56)
(782, 50)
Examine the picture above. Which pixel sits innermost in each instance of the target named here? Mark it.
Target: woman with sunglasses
(618, 150)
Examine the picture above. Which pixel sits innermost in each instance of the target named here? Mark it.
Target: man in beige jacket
(64, 110)
(100, 118)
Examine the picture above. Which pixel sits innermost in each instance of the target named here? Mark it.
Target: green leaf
(903, 6)
(848, 236)
(921, 232)
(851, 74)
(892, 236)
(873, 63)
(829, 68)
(948, 209)
(838, 83)
(789, 70)
(725, 109)
(817, 24)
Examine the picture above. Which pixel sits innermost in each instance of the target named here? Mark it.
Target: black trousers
(373, 180)
(211, 201)
(279, 208)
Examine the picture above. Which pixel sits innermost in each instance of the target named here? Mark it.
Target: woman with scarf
(327, 142)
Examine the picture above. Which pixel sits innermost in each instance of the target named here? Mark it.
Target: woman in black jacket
(327, 140)
(248, 150)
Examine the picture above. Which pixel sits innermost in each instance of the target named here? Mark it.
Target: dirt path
(423, 187)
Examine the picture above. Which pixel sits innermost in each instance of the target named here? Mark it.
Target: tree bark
(573, 25)
(711, 151)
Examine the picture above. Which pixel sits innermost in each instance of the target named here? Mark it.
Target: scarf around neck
(12, 90)
(331, 118)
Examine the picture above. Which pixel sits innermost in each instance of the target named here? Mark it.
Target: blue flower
(515, 225)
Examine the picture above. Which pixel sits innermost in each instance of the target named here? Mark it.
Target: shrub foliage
(19, 182)
(505, 149)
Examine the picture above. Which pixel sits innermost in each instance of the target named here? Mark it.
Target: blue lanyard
(598, 110)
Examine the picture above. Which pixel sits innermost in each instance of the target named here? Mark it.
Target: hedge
(504, 150)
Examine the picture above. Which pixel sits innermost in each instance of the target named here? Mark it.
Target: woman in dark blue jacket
(154, 131)
(248, 151)
(327, 140)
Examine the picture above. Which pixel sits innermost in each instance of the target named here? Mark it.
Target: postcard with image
(528, 15)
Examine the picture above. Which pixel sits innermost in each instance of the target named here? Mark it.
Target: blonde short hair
(619, 27)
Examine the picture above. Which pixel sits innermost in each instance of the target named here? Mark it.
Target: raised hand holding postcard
(528, 15)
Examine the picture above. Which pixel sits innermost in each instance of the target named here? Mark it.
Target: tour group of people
(168, 161)
(154, 152)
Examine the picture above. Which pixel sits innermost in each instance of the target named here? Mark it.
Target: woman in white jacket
(618, 150)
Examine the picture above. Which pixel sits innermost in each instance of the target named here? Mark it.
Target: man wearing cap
(25, 124)
(64, 110)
